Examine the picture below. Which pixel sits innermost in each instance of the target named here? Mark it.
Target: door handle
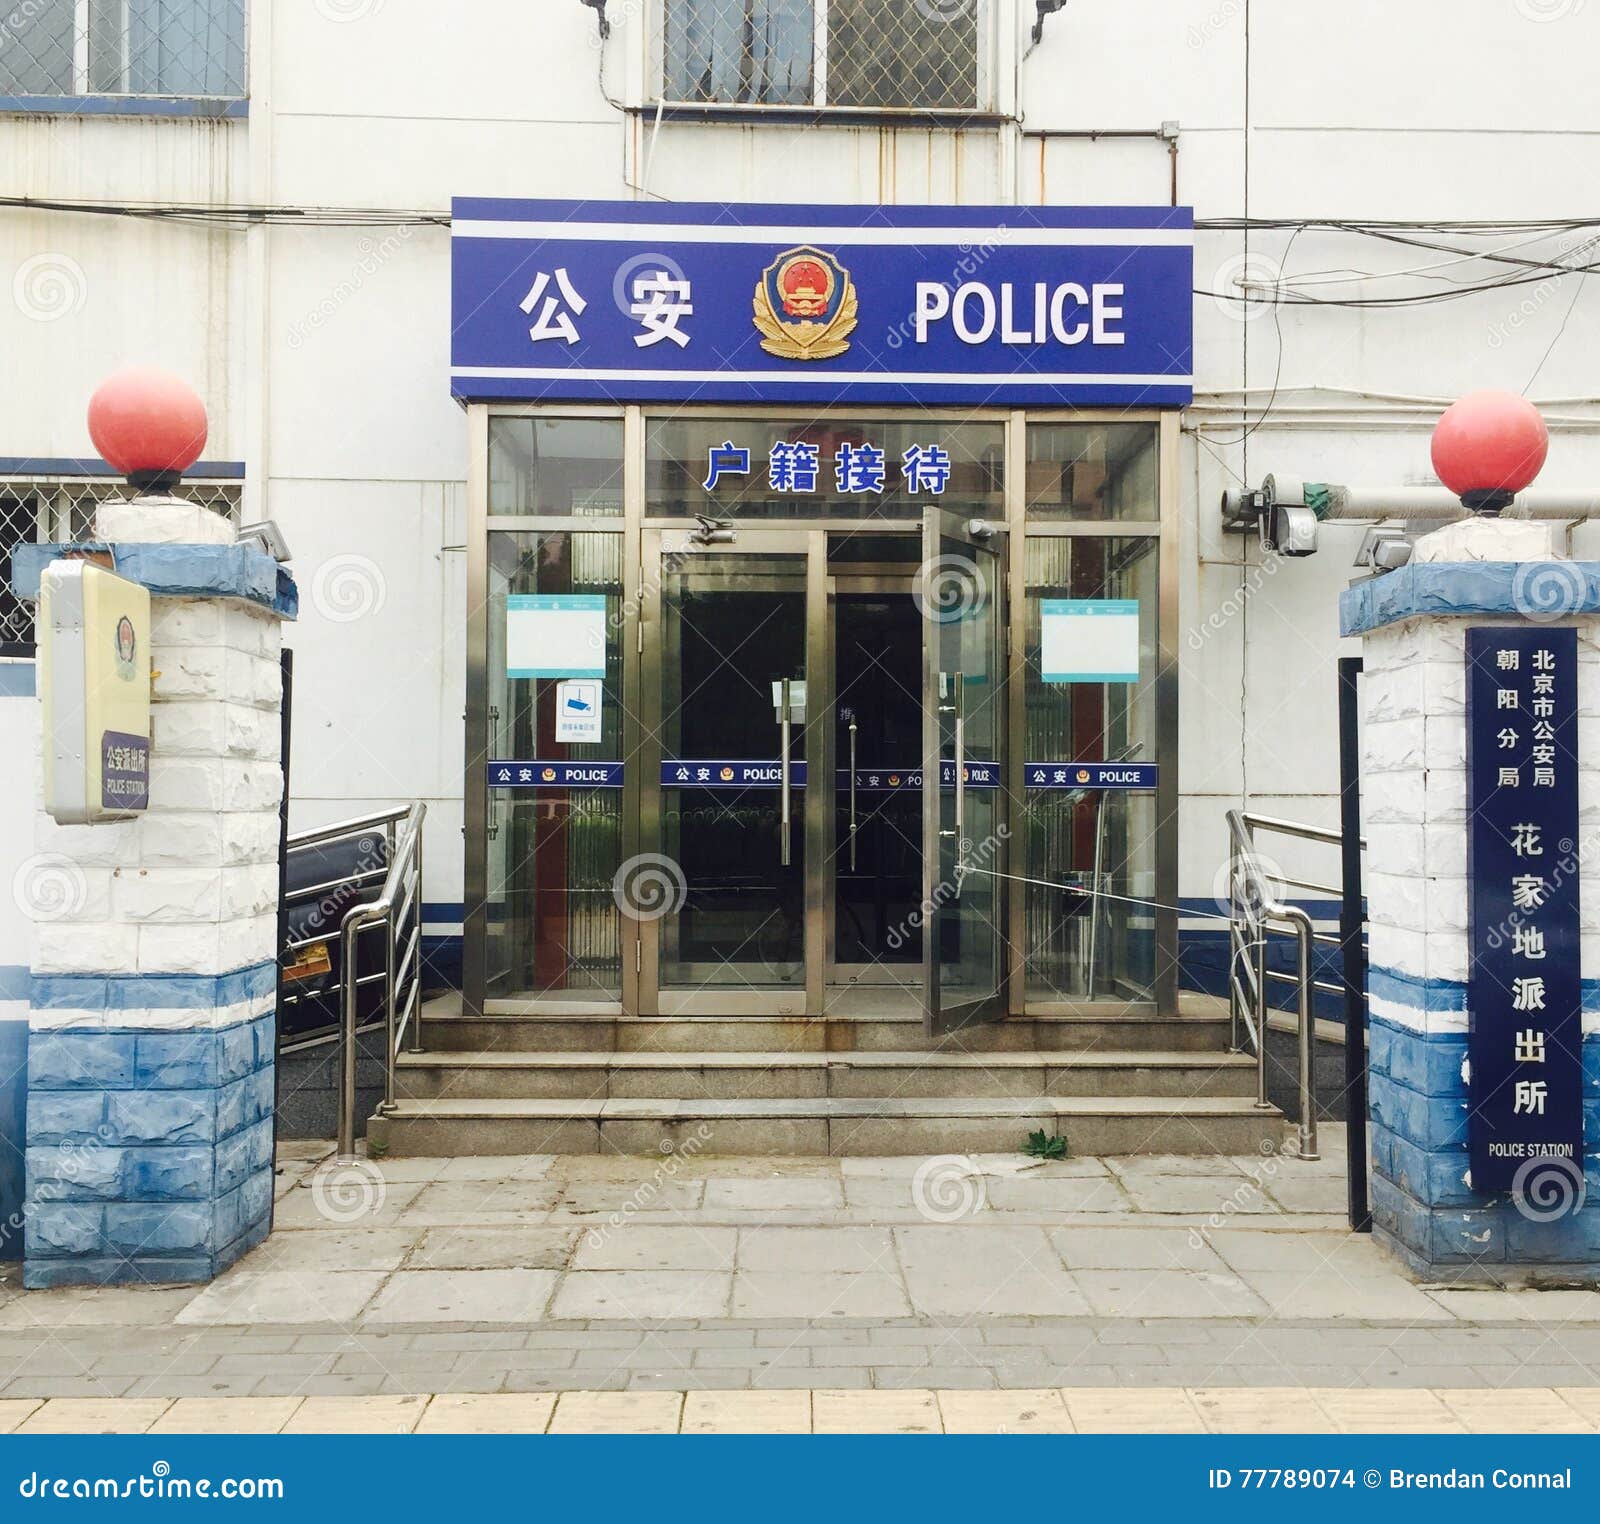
(783, 768)
(961, 756)
(852, 794)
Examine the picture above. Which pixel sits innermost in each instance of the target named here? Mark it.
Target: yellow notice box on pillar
(94, 685)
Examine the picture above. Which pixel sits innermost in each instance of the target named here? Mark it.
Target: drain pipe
(1281, 500)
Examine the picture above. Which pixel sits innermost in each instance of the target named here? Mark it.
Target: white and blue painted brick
(152, 1045)
(1415, 803)
(149, 1152)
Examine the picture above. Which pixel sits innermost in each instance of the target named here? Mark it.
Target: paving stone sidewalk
(689, 1273)
(1149, 1410)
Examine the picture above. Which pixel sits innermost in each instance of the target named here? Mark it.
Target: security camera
(1384, 547)
(268, 536)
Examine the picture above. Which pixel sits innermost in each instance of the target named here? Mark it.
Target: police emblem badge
(805, 306)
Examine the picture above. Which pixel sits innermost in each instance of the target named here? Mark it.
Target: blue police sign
(1094, 775)
(532, 773)
(680, 301)
(1525, 1113)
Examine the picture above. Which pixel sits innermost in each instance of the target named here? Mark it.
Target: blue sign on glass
(506, 773)
(1525, 1093)
(676, 301)
(876, 780)
(701, 772)
(1096, 775)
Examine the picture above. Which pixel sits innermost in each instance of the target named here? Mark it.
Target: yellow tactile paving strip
(1061, 1410)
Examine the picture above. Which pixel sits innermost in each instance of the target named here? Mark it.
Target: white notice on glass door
(577, 711)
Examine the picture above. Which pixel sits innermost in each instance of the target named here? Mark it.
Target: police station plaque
(1525, 1109)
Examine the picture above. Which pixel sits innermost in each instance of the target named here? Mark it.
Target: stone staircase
(1110, 1083)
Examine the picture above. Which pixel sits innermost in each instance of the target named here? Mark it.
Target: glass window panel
(569, 467)
(903, 53)
(738, 51)
(553, 923)
(36, 55)
(1083, 946)
(1093, 471)
(678, 459)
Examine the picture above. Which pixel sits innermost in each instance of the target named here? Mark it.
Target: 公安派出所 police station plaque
(1525, 1109)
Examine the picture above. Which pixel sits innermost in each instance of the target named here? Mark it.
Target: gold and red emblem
(1083, 775)
(727, 775)
(805, 306)
(548, 774)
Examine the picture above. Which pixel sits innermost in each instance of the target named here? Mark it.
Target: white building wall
(321, 351)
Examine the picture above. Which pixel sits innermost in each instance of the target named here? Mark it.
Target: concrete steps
(1113, 1080)
(1196, 1028)
(826, 1125)
(734, 1076)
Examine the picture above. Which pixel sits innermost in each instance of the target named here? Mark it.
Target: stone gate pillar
(1424, 1098)
(152, 1028)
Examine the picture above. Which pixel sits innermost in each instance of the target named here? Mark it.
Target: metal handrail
(401, 896)
(385, 821)
(1252, 914)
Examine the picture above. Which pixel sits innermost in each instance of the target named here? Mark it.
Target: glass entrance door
(961, 596)
(727, 888)
(876, 840)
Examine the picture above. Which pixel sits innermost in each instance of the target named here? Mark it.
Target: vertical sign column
(1526, 1084)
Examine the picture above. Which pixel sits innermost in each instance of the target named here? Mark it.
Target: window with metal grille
(39, 510)
(928, 55)
(124, 47)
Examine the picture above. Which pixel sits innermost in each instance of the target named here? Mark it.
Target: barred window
(866, 54)
(123, 47)
(37, 511)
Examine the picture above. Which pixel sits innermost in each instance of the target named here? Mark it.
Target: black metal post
(285, 728)
(1352, 924)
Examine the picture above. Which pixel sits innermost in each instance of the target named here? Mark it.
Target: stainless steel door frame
(680, 541)
(987, 546)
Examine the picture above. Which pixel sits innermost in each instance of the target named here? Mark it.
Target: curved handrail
(1263, 908)
(405, 870)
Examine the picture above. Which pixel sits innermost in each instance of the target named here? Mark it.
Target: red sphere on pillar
(1488, 446)
(149, 424)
